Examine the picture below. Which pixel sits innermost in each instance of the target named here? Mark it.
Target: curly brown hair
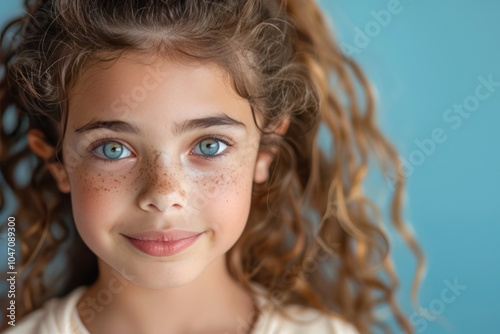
(313, 237)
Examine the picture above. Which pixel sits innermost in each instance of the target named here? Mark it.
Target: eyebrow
(206, 122)
(117, 126)
(185, 126)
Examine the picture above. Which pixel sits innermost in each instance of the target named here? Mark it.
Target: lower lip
(163, 248)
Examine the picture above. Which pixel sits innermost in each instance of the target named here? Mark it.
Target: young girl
(209, 154)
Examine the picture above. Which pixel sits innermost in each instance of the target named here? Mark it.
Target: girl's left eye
(210, 147)
(112, 150)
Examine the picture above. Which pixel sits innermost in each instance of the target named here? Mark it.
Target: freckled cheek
(223, 200)
(97, 195)
(223, 185)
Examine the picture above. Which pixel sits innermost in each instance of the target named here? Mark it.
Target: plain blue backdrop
(430, 63)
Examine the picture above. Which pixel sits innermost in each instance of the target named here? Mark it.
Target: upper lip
(161, 235)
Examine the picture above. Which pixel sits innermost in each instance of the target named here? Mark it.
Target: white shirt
(60, 316)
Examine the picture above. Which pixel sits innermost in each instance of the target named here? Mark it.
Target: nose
(161, 181)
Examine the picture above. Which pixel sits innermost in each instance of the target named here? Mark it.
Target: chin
(159, 276)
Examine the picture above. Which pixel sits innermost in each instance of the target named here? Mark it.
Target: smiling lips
(157, 243)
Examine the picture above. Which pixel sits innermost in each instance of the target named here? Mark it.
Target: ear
(39, 146)
(266, 157)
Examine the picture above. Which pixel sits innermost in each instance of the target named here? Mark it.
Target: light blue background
(425, 59)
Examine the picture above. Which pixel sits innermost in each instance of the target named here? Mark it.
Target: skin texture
(161, 181)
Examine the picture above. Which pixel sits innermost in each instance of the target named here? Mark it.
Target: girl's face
(160, 151)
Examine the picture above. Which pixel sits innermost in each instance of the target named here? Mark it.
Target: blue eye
(210, 147)
(112, 150)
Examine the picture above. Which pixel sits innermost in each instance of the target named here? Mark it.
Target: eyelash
(228, 142)
(225, 140)
(100, 142)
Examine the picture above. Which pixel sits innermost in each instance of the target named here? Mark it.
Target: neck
(212, 303)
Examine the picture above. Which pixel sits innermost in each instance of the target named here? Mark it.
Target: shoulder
(295, 319)
(300, 320)
(54, 316)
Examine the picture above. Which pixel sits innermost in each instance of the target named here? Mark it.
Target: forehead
(134, 87)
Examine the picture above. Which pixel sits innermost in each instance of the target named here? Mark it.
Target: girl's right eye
(112, 150)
